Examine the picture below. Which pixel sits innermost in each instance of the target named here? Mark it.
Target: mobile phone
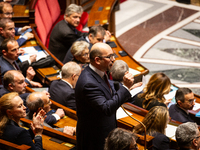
(138, 78)
(122, 53)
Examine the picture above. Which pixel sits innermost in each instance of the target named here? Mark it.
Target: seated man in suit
(8, 61)
(62, 91)
(7, 30)
(65, 33)
(188, 136)
(6, 11)
(184, 101)
(96, 34)
(40, 100)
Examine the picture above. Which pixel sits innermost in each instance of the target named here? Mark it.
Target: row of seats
(47, 14)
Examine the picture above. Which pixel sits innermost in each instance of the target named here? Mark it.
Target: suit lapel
(99, 80)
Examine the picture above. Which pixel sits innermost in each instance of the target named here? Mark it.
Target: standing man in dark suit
(62, 91)
(184, 101)
(96, 101)
(65, 33)
(97, 34)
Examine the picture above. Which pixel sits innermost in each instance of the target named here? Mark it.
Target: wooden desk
(11, 146)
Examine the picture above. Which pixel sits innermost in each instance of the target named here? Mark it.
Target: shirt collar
(87, 39)
(9, 60)
(99, 72)
(67, 83)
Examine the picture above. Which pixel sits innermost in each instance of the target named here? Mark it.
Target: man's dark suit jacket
(5, 66)
(61, 39)
(18, 135)
(62, 93)
(69, 56)
(160, 141)
(96, 109)
(178, 114)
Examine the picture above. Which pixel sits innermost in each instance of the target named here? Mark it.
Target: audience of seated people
(121, 139)
(64, 34)
(96, 34)
(62, 91)
(188, 136)
(156, 122)
(40, 100)
(184, 101)
(153, 93)
(11, 110)
(9, 61)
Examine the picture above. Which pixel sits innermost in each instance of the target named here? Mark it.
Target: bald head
(38, 100)
(6, 10)
(102, 56)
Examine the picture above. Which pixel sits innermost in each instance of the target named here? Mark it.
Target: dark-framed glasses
(191, 101)
(7, 14)
(111, 56)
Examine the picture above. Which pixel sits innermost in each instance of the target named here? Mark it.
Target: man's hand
(60, 112)
(33, 58)
(107, 36)
(167, 101)
(136, 85)
(25, 28)
(35, 84)
(29, 35)
(69, 130)
(30, 73)
(21, 51)
(128, 80)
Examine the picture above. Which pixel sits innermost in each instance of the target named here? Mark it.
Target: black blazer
(15, 134)
(178, 114)
(160, 141)
(62, 93)
(138, 102)
(61, 39)
(96, 109)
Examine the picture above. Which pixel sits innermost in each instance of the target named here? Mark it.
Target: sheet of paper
(170, 131)
(40, 54)
(196, 106)
(133, 71)
(121, 113)
(30, 50)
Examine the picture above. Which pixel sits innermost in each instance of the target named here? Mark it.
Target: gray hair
(78, 47)
(69, 69)
(118, 70)
(185, 133)
(73, 8)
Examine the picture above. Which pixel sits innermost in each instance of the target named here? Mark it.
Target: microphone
(116, 85)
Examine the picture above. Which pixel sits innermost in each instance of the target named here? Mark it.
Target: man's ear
(194, 141)
(10, 86)
(97, 60)
(179, 102)
(73, 76)
(4, 52)
(1, 29)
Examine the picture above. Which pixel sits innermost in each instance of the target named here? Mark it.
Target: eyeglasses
(197, 137)
(111, 56)
(7, 14)
(191, 100)
(85, 55)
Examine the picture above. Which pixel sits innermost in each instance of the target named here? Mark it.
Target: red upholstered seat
(83, 21)
(54, 9)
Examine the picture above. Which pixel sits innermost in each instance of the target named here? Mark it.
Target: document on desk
(170, 131)
(121, 113)
(32, 51)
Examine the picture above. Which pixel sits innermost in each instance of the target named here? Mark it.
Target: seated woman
(153, 93)
(81, 53)
(11, 110)
(156, 122)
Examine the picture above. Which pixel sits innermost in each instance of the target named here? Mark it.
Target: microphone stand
(140, 123)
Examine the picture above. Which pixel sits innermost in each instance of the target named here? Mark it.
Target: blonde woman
(153, 94)
(156, 122)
